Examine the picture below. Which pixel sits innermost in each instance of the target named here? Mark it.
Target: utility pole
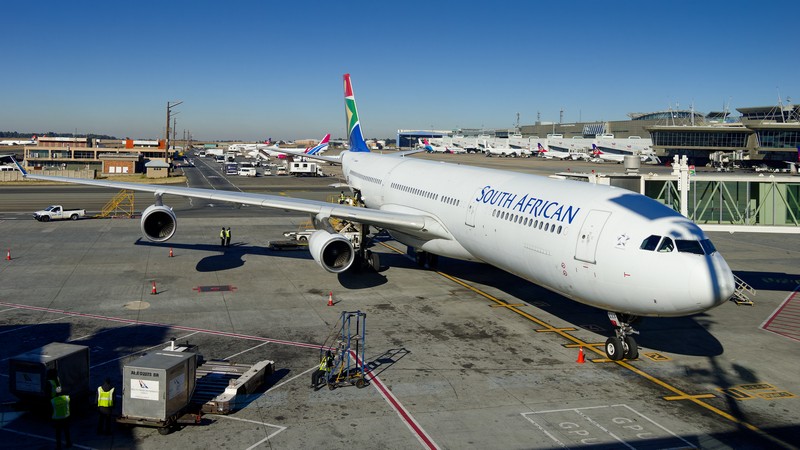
(170, 105)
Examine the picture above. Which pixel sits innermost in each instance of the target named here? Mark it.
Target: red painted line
(783, 305)
(164, 325)
(409, 420)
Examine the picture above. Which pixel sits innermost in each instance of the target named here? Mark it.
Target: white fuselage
(578, 239)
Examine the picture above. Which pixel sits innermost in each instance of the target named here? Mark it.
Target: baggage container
(157, 388)
(28, 371)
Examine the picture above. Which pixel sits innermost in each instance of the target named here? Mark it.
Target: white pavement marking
(99, 332)
(291, 379)
(8, 309)
(42, 437)
(245, 351)
(140, 351)
(29, 326)
(280, 428)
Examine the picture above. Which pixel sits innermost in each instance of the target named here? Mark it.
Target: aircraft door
(470, 219)
(590, 232)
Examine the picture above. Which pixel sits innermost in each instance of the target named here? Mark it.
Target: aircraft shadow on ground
(770, 281)
(682, 335)
(227, 258)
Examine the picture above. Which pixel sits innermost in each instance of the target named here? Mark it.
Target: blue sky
(256, 69)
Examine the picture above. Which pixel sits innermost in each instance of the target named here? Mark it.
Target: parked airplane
(265, 150)
(552, 153)
(430, 148)
(31, 141)
(491, 150)
(599, 245)
(618, 155)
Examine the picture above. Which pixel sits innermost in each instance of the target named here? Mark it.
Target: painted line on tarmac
(679, 394)
(165, 325)
(42, 437)
(32, 325)
(139, 351)
(245, 351)
(412, 424)
(280, 428)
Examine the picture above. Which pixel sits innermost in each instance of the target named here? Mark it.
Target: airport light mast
(170, 105)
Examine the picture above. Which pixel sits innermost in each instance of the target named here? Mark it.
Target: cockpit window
(708, 246)
(666, 245)
(689, 246)
(650, 243)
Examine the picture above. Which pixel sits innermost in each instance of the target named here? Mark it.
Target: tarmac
(466, 356)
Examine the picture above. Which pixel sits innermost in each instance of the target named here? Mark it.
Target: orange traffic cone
(8, 255)
(330, 298)
(154, 292)
(581, 358)
(170, 252)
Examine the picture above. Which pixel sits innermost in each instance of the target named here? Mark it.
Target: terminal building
(104, 156)
(765, 134)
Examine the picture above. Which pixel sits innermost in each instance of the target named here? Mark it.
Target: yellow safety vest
(227, 233)
(60, 407)
(222, 233)
(105, 398)
(324, 365)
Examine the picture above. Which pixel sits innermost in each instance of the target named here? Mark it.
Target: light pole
(170, 105)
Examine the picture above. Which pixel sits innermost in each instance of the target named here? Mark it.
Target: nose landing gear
(622, 344)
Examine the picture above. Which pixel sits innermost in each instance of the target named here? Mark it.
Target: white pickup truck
(57, 212)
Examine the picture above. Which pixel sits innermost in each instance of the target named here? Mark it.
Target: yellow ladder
(119, 206)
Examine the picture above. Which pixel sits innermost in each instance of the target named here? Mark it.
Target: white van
(247, 172)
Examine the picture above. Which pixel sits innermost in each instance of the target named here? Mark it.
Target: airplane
(490, 149)
(552, 153)
(602, 246)
(430, 148)
(618, 155)
(266, 150)
(31, 141)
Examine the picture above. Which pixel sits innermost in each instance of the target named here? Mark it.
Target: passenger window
(666, 245)
(689, 246)
(650, 243)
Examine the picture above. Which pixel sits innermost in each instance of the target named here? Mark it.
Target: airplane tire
(375, 261)
(631, 348)
(614, 349)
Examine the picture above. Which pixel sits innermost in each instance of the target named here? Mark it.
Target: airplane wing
(420, 225)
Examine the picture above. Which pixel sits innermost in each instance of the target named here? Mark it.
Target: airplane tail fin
(321, 147)
(354, 136)
(596, 151)
(541, 149)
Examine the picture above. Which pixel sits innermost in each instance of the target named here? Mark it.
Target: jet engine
(333, 252)
(159, 223)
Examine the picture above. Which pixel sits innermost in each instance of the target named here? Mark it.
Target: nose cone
(712, 282)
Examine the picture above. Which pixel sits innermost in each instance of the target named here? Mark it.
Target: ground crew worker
(342, 198)
(60, 404)
(222, 237)
(228, 237)
(53, 381)
(323, 371)
(105, 406)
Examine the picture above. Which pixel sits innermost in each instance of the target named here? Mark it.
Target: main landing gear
(622, 344)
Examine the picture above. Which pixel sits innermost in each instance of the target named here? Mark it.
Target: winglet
(354, 136)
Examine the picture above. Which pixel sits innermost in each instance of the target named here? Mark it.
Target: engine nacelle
(159, 223)
(333, 252)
